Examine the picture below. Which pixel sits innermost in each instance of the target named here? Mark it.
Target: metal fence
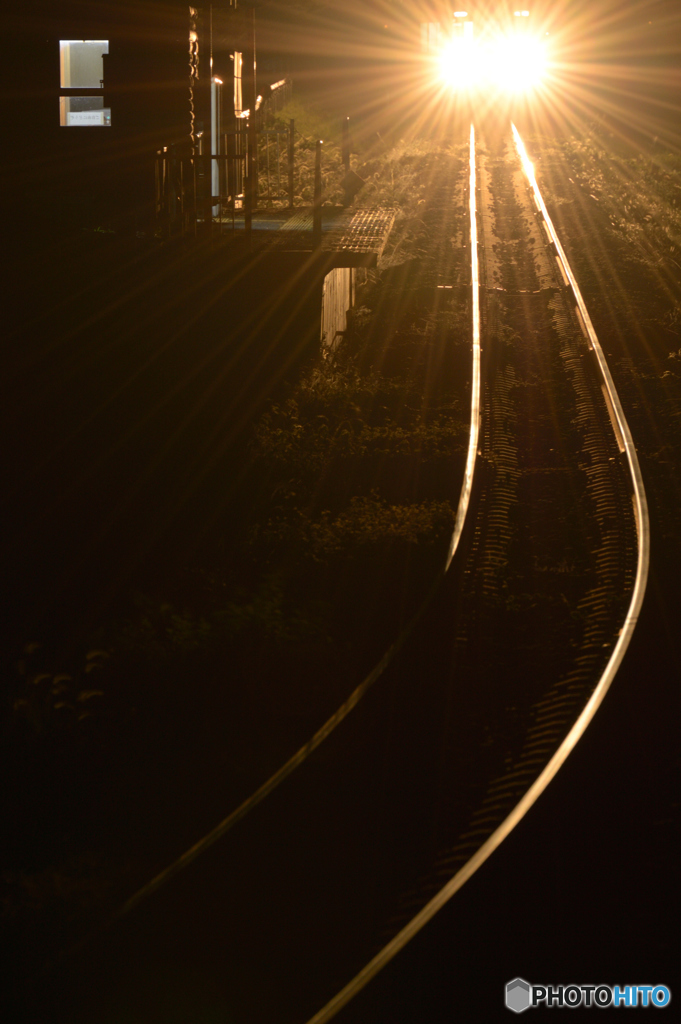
(254, 168)
(276, 164)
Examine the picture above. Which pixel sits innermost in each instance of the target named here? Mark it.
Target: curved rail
(464, 500)
(344, 710)
(623, 435)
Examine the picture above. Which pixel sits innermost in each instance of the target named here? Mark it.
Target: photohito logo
(520, 995)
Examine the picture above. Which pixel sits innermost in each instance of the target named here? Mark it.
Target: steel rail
(623, 434)
(464, 500)
(344, 710)
(617, 418)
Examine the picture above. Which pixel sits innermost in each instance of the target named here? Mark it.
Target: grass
(640, 195)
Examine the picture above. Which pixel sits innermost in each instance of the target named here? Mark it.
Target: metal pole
(346, 144)
(195, 215)
(248, 191)
(230, 149)
(267, 151)
(278, 165)
(317, 207)
(250, 100)
(291, 159)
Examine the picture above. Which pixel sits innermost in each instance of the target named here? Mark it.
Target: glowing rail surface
(474, 435)
(625, 442)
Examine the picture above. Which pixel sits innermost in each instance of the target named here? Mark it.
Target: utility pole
(250, 101)
(317, 207)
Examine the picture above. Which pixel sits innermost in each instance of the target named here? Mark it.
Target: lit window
(430, 35)
(83, 110)
(81, 72)
(82, 63)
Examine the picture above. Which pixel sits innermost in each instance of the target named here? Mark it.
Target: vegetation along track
(557, 567)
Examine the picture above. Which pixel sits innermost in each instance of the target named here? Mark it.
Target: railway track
(490, 691)
(537, 330)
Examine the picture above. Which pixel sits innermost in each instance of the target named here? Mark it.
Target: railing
(194, 191)
(255, 168)
(276, 153)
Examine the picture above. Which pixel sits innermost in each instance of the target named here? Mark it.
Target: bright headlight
(516, 63)
(459, 63)
(511, 63)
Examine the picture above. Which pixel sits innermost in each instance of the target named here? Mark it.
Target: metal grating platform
(367, 232)
(352, 237)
